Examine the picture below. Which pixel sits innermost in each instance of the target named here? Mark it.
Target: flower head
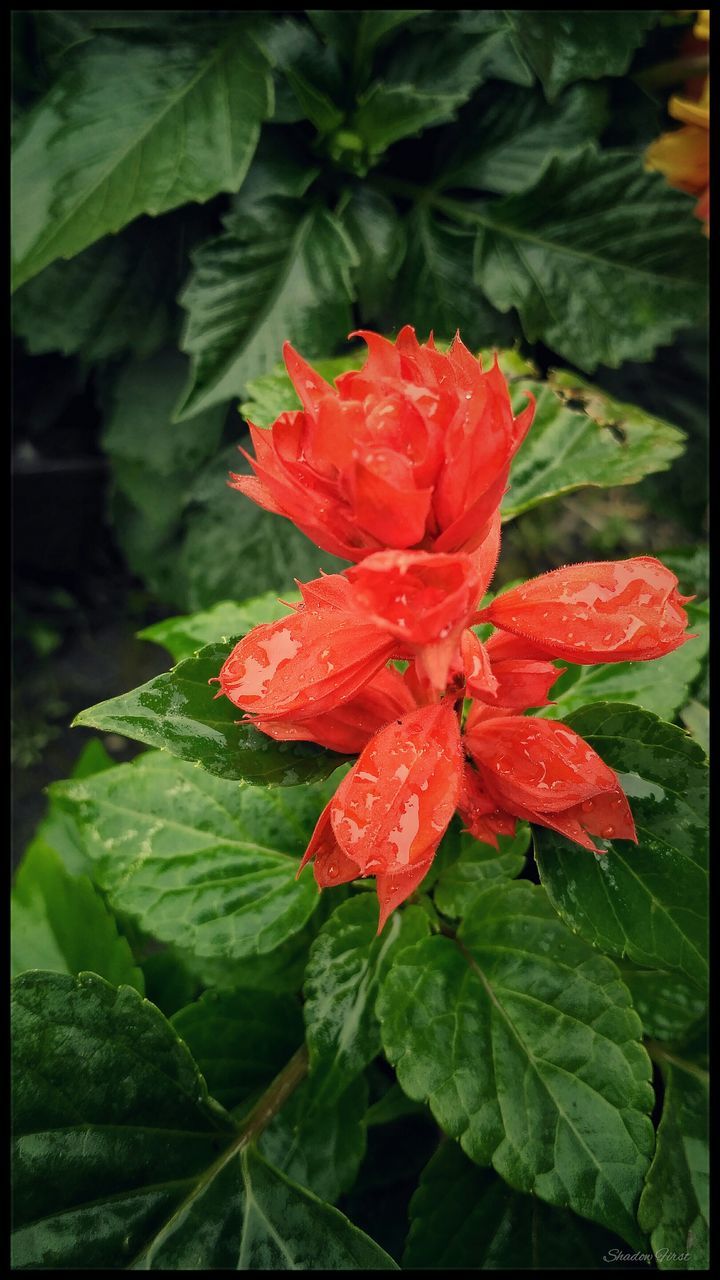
(411, 451)
(401, 468)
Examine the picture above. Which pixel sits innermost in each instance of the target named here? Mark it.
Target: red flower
(413, 450)
(402, 466)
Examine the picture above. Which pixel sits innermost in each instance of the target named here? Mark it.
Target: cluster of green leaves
(218, 1067)
(192, 189)
(505, 1028)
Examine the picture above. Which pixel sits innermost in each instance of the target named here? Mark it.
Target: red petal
(391, 811)
(606, 815)
(305, 664)
(479, 678)
(348, 728)
(480, 813)
(539, 764)
(386, 502)
(311, 388)
(394, 888)
(614, 611)
(332, 864)
(418, 596)
(522, 684)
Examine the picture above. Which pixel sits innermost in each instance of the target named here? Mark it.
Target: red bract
(425, 600)
(401, 466)
(392, 809)
(614, 611)
(413, 450)
(303, 665)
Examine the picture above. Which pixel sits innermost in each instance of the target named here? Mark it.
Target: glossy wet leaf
(59, 921)
(346, 965)
(476, 866)
(240, 1039)
(567, 449)
(183, 636)
(132, 128)
(660, 686)
(434, 290)
(598, 290)
(280, 271)
(463, 1217)
(524, 1042)
(646, 901)
(562, 46)
(375, 228)
(178, 712)
(319, 1148)
(675, 1208)
(519, 132)
(151, 1175)
(197, 861)
(667, 1003)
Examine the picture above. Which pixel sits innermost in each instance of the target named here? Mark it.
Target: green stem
(422, 195)
(273, 1099)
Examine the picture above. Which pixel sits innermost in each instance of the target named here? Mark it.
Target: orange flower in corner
(684, 155)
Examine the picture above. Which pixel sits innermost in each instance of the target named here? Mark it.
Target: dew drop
(587, 806)
(332, 872)
(608, 831)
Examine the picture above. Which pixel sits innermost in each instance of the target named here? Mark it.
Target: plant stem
(274, 1098)
(421, 195)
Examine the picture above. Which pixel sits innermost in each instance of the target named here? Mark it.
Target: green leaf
(169, 983)
(476, 866)
(240, 1039)
(660, 686)
(562, 46)
(567, 449)
(150, 1175)
(280, 272)
(183, 636)
(667, 1003)
(604, 261)
(60, 922)
(179, 713)
(525, 1043)
(347, 963)
(696, 719)
(156, 460)
(519, 133)
(111, 298)
(131, 129)
(197, 861)
(424, 80)
(319, 1148)
(374, 226)
(465, 1218)
(674, 1208)
(435, 290)
(646, 901)
(280, 970)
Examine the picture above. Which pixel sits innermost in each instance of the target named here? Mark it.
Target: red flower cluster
(414, 451)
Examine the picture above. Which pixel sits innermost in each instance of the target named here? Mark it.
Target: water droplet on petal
(608, 831)
(587, 806)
